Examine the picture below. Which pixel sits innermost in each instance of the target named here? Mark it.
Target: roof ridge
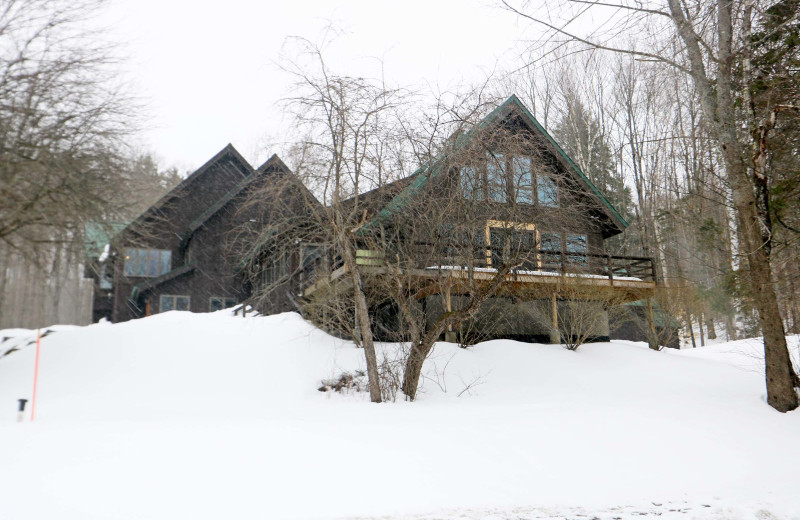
(501, 110)
(228, 149)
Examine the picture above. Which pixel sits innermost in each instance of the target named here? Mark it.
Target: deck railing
(538, 260)
(535, 261)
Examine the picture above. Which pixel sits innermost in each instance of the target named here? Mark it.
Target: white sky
(208, 71)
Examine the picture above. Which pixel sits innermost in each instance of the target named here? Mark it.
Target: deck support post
(652, 338)
(555, 336)
(449, 335)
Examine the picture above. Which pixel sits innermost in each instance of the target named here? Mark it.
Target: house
(503, 209)
(185, 251)
(501, 212)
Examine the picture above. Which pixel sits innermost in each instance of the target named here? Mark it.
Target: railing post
(653, 271)
(610, 270)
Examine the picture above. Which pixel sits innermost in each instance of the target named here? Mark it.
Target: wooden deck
(521, 283)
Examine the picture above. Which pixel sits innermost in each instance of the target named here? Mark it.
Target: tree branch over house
(712, 44)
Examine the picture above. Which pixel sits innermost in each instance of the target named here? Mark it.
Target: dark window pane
(166, 303)
(522, 249)
(147, 262)
(548, 191)
(497, 241)
(182, 303)
(577, 244)
(496, 176)
(141, 262)
(230, 302)
(523, 179)
(470, 183)
(152, 262)
(166, 262)
(215, 304)
(130, 262)
(551, 242)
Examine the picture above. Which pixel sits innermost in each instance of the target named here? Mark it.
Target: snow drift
(199, 416)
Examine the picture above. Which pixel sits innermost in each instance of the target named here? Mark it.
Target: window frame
(174, 297)
(137, 262)
(519, 183)
(276, 269)
(576, 257)
(224, 300)
(517, 174)
(497, 177)
(514, 227)
(551, 256)
(553, 201)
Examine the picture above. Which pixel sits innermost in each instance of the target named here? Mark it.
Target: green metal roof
(433, 168)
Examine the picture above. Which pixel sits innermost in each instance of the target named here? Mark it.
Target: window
(512, 242)
(523, 179)
(471, 183)
(312, 256)
(496, 176)
(577, 244)
(507, 176)
(462, 244)
(219, 303)
(277, 269)
(147, 262)
(551, 248)
(170, 302)
(547, 189)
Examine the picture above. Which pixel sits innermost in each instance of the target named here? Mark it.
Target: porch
(540, 273)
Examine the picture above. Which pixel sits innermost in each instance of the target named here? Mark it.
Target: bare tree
(345, 126)
(715, 50)
(63, 117)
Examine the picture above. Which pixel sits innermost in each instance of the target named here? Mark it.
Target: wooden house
(502, 208)
(185, 251)
(501, 205)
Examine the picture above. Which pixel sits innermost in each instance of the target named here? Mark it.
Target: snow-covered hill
(212, 416)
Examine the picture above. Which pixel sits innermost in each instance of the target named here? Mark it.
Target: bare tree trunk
(363, 322)
(690, 328)
(700, 326)
(719, 107)
(712, 332)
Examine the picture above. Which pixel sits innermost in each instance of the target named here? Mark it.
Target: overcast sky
(208, 71)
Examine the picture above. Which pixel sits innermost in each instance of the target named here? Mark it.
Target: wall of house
(212, 252)
(164, 229)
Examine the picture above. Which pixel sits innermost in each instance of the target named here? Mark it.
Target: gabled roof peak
(273, 163)
(514, 101)
(228, 149)
(431, 169)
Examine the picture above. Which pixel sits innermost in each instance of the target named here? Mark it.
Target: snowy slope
(213, 416)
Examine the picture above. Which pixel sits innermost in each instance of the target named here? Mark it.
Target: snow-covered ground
(195, 416)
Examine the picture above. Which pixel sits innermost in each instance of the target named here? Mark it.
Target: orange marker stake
(36, 373)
